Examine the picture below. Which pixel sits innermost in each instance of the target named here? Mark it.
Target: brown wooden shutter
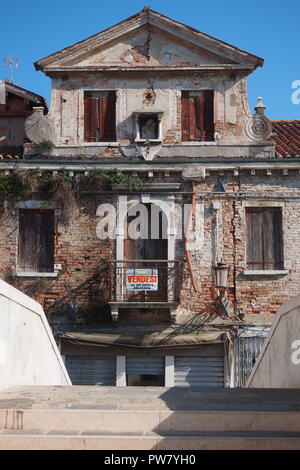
(185, 126)
(107, 113)
(272, 239)
(254, 240)
(36, 240)
(278, 239)
(197, 117)
(149, 248)
(200, 120)
(189, 128)
(91, 117)
(208, 118)
(100, 116)
(133, 248)
(264, 239)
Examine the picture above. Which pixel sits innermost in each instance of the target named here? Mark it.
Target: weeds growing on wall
(63, 187)
(105, 179)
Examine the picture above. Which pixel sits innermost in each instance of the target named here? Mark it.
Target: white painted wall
(278, 365)
(28, 352)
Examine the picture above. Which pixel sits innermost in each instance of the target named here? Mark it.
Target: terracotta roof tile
(11, 152)
(286, 134)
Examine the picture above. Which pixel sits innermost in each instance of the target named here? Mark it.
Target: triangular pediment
(148, 39)
(146, 46)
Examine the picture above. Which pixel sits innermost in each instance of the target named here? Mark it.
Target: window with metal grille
(100, 116)
(197, 115)
(36, 240)
(264, 238)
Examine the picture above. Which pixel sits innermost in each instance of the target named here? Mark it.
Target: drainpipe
(187, 253)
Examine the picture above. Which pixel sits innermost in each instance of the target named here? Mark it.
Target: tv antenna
(12, 63)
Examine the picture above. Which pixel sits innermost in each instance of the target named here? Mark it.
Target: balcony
(143, 284)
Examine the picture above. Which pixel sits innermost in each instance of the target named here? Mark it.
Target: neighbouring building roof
(286, 134)
(6, 86)
(11, 149)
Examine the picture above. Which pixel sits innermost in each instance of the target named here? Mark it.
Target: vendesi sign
(142, 279)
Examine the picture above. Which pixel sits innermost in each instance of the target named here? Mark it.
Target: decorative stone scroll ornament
(38, 127)
(258, 127)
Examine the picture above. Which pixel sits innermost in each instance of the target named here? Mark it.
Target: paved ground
(150, 398)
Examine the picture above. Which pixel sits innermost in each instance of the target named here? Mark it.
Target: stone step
(148, 418)
(141, 421)
(25, 440)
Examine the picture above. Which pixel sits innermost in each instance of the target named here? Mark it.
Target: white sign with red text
(142, 279)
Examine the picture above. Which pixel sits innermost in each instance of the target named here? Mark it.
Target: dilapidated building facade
(149, 122)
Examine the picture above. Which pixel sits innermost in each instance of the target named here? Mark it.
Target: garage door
(91, 370)
(145, 370)
(199, 371)
(145, 365)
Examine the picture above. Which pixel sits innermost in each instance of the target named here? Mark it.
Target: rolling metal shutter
(199, 371)
(91, 370)
(145, 365)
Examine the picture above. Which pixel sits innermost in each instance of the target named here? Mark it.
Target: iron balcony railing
(144, 281)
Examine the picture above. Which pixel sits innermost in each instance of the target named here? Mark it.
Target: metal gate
(145, 365)
(199, 371)
(91, 370)
(246, 350)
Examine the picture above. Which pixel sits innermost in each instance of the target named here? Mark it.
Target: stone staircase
(148, 418)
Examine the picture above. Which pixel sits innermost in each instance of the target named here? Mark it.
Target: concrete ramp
(278, 364)
(28, 352)
(148, 418)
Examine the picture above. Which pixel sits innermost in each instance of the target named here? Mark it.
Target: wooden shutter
(185, 126)
(197, 120)
(264, 239)
(254, 240)
(149, 248)
(208, 116)
(36, 240)
(107, 113)
(100, 116)
(91, 117)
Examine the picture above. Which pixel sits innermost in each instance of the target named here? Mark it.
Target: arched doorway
(146, 251)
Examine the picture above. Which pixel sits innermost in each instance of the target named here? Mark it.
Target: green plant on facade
(46, 145)
(11, 277)
(110, 178)
(63, 187)
(79, 319)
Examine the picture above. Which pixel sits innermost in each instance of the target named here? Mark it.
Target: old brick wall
(76, 248)
(81, 254)
(260, 295)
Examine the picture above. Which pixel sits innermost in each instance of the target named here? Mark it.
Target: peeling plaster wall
(147, 46)
(230, 103)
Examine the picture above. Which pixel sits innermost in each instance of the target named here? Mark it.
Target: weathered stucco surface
(230, 104)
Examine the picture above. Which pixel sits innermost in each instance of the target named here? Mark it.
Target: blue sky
(268, 28)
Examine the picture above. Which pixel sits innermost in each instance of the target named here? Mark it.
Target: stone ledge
(36, 274)
(279, 272)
